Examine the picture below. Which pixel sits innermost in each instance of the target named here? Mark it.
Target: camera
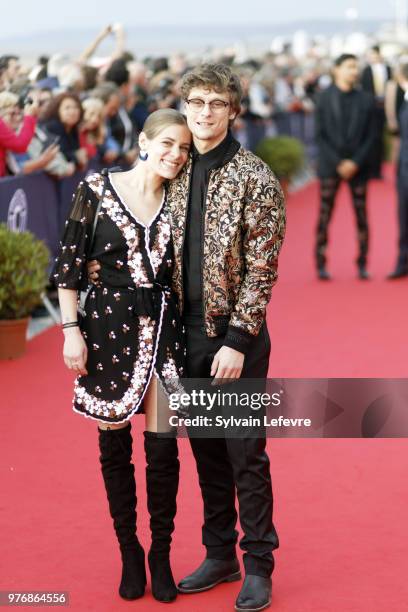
(24, 98)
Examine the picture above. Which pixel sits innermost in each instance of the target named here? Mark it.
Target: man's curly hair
(216, 77)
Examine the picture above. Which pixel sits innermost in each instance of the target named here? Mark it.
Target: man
(228, 219)
(10, 69)
(344, 136)
(119, 125)
(374, 79)
(401, 268)
(228, 223)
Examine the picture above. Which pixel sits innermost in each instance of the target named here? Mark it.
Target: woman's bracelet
(70, 324)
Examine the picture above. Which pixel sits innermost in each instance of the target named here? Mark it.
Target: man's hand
(347, 169)
(93, 268)
(227, 363)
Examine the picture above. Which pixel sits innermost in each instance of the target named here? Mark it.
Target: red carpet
(340, 504)
(347, 327)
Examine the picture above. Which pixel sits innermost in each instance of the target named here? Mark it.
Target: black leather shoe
(399, 272)
(323, 274)
(210, 573)
(255, 595)
(363, 274)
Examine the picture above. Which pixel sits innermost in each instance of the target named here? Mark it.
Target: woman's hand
(32, 107)
(110, 156)
(69, 169)
(81, 157)
(75, 351)
(49, 154)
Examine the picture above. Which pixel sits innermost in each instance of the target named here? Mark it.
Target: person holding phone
(62, 118)
(43, 152)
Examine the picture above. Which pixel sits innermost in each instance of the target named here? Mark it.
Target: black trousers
(377, 152)
(402, 185)
(328, 191)
(227, 465)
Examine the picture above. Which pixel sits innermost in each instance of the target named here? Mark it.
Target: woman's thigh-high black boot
(119, 476)
(162, 478)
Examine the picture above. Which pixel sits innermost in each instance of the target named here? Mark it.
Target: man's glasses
(216, 106)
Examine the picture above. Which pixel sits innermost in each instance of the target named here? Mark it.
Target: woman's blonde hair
(7, 99)
(92, 103)
(97, 135)
(161, 119)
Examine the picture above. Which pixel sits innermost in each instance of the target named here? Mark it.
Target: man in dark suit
(373, 80)
(344, 136)
(401, 268)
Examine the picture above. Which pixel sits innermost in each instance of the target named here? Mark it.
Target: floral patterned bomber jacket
(244, 226)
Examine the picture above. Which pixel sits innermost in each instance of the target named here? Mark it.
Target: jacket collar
(220, 155)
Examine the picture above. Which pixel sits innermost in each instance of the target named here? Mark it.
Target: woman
(41, 153)
(62, 118)
(93, 134)
(130, 335)
(91, 131)
(9, 140)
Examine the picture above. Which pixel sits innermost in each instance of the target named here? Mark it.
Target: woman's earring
(143, 155)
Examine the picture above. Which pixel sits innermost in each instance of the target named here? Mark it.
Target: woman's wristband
(70, 324)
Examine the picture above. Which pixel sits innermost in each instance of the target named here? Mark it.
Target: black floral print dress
(131, 323)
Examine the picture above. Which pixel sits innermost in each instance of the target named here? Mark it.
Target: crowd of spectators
(61, 113)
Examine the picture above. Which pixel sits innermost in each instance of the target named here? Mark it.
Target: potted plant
(24, 262)
(284, 155)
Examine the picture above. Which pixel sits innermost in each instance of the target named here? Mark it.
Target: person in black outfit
(401, 268)
(345, 136)
(228, 220)
(374, 78)
(226, 262)
(120, 125)
(61, 119)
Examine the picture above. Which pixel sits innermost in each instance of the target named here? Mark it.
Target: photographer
(43, 152)
(9, 139)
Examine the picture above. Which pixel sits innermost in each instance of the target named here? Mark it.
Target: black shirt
(193, 245)
(346, 99)
(68, 141)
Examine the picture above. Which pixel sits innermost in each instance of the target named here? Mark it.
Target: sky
(33, 16)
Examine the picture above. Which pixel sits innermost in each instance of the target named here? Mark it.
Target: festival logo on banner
(18, 212)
